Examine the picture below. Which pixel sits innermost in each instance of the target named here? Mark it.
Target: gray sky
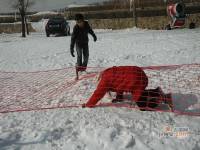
(43, 5)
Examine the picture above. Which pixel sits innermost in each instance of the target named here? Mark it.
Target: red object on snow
(120, 79)
(177, 14)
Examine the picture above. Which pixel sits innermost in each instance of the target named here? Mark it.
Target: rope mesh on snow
(26, 91)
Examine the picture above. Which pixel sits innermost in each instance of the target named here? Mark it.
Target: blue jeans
(82, 55)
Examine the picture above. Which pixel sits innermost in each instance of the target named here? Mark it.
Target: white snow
(76, 5)
(100, 128)
(45, 12)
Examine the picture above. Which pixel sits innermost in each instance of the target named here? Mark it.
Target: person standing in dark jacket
(80, 39)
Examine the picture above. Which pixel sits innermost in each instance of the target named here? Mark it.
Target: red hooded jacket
(120, 79)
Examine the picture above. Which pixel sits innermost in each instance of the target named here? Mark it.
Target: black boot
(119, 98)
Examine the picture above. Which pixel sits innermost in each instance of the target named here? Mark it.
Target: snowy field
(100, 128)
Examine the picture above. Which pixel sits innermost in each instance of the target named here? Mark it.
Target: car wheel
(65, 33)
(47, 34)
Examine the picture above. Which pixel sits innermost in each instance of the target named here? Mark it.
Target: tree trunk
(134, 13)
(27, 29)
(23, 24)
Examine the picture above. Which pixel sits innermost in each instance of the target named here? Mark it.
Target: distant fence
(116, 23)
(125, 4)
(54, 89)
(126, 13)
(9, 19)
(156, 23)
(150, 18)
(31, 18)
(13, 28)
(149, 14)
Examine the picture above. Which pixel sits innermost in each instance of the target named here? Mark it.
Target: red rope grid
(53, 89)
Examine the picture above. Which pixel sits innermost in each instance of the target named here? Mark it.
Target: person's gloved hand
(83, 105)
(72, 52)
(87, 106)
(95, 38)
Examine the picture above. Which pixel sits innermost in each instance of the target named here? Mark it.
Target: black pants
(147, 101)
(148, 104)
(82, 55)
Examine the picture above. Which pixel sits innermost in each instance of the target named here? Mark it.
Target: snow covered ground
(99, 128)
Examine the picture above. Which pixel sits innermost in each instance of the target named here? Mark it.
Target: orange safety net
(26, 91)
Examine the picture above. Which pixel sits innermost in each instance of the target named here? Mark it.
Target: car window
(59, 20)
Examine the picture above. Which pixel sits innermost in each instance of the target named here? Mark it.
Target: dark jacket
(80, 35)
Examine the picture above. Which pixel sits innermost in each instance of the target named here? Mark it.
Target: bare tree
(22, 6)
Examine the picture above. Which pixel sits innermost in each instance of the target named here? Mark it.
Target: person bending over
(130, 79)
